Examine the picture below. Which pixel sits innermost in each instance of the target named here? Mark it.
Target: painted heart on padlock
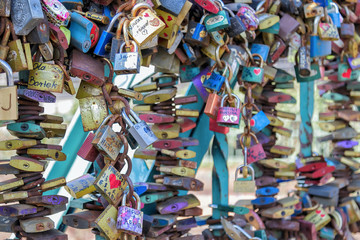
(146, 15)
(114, 183)
(318, 211)
(226, 118)
(233, 118)
(257, 71)
(347, 74)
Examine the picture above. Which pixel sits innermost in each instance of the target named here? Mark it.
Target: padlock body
(26, 15)
(100, 49)
(46, 77)
(127, 63)
(107, 142)
(255, 153)
(244, 185)
(259, 122)
(318, 47)
(142, 134)
(214, 82)
(93, 111)
(252, 74)
(212, 105)
(130, 220)
(200, 33)
(347, 30)
(304, 66)
(229, 117)
(216, 22)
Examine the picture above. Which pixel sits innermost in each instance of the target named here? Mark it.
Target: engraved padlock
(130, 220)
(229, 116)
(139, 129)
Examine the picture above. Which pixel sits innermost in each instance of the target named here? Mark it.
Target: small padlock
(106, 37)
(259, 121)
(81, 186)
(106, 140)
(8, 95)
(139, 130)
(212, 105)
(40, 34)
(215, 81)
(236, 24)
(242, 185)
(117, 40)
(218, 21)
(229, 116)
(127, 62)
(255, 152)
(253, 73)
(313, 10)
(130, 220)
(248, 17)
(327, 30)
(347, 28)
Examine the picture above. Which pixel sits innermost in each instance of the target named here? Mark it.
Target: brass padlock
(46, 77)
(16, 56)
(8, 95)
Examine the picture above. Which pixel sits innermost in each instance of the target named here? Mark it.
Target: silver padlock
(139, 130)
(127, 62)
(26, 15)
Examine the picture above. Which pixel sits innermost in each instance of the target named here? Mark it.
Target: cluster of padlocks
(258, 47)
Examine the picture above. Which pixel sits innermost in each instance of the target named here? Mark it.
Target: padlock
(117, 40)
(81, 186)
(248, 17)
(288, 25)
(16, 55)
(347, 28)
(127, 62)
(229, 116)
(236, 24)
(302, 59)
(8, 95)
(327, 30)
(261, 49)
(212, 105)
(56, 13)
(313, 10)
(318, 47)
(46, 77)
(26, 15)
(145, 25)
(199, 34)
(215, 81)
(111, 183)
(253, 73)
(60, 35)
(255, 152)
(106, 140)
(218, 21)
(189, 51)
(247, 184)
(47, 51)
(87, 68)
(259, 121)
(84, 33)
(5, 7)
(333, 12)
(130, 220)
(40, 34)
(106, 37)
(277, 48)
(139, 129)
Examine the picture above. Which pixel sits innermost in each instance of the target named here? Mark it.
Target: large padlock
(130, 220)
(8, 96)
(261, 49)
(105, 38)
(318, 47)
(111, 183)
(106, 140)
(46, 77)
(84, 33)
(139, 129)
(253, 73)
(229, 116)
(81, 186)
(127, 62)
(248, 17)
(145, 25)
(218, 21)
(247, 184)
(26, 15)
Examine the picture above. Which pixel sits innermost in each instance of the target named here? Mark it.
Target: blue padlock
(200, 32)
(263, 201)
(189, 52)
(318, 47)
(259, 121)
(334, 13)
(80, 29)
(322, 3)
(106, 37)
(267, 191)
(261, 49)
(215, 80)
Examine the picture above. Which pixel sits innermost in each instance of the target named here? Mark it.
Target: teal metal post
(306, 113)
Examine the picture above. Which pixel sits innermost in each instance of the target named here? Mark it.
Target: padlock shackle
(226, 96)
(120, 27)
(113, 20)
(127, 118)
(137, 7)
(245, 165)
(9, 73)
(132, 42)
(105, 121)
(251, 135)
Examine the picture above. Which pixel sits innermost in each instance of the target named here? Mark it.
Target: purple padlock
(35, 95)
(197, 81)
(130, 220)
(229, 116)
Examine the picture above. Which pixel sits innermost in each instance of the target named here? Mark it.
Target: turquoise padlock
(254, 73)
(216, 22)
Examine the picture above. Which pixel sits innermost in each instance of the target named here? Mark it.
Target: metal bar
(306, 112)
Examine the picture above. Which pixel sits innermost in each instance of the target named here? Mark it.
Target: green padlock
(345, 72)
(219, 21)
(254, 73)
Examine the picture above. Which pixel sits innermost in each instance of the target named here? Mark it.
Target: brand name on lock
(215, 20)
